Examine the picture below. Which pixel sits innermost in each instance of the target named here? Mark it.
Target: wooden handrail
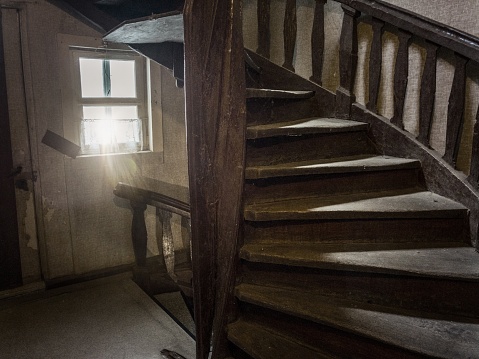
(152, 198)
(443, 35)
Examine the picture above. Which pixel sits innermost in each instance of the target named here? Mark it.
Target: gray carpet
(107, 318)
(175, 306)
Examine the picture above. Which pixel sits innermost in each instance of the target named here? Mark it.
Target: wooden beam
(216, 121)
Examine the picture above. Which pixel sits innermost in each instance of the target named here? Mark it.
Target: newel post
(348, 59)
(215, 95)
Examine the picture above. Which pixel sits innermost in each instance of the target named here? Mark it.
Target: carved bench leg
(139, 238)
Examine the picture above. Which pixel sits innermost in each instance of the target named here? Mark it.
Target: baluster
(348, 59)
(317, 42)
(427, 94)
(290, 27)
(139, 235)
(264, 34)
(401, 71)
(474, 170)
(167, 243)
(455, 111)
(375, 61)
(139, 238)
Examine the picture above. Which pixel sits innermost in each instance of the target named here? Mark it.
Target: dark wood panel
(375, 61)
(264, 35)
(216, 121)
(455, 111)
(317, 42)
(290, 29)
(401, 71)
(427, 95)
(10, 267)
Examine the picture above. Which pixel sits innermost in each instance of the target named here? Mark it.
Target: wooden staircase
(346, 253)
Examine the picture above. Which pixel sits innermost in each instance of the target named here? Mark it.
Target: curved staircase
(346, 253)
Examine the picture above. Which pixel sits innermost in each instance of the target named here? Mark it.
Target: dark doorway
(10, 266)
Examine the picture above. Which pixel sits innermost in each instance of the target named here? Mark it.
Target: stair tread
(150, 29)
(410, 203)
(447, 261)
(437, 336)
(284, 94)
(257, 341)
(304, 126)
(349, 164)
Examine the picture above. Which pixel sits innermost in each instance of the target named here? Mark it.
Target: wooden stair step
(304, 126)
(280, 94)
(387, 204)
(259, 342)
(446, 261)
(406, 230)
(434, 335)
(362, 163)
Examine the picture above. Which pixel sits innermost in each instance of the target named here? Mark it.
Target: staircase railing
(141, 196)
(435, 41)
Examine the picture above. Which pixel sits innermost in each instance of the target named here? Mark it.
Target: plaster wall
(462, 16)
(81, 226)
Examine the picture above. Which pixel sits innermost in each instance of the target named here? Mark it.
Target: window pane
(122, 78)
(96, 132)
(91, 77)
(94, 112)
(124, 112)
(110, 129)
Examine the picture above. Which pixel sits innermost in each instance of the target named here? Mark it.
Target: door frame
(10, 260)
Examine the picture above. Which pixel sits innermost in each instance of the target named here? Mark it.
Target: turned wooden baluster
(317, 42)
(401, 71)
(165, 240)
(290, 28)
(264, 34)
(139, 235)
(375, 61)
(348, 59)
(474, 170)
(139, 238)
(427, 94)
(455, 111)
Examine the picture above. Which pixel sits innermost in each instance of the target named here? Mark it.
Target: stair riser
(262, 111)
(433, 295)
(324, 339)
(358, 231)
(321, 185)
(286, 149)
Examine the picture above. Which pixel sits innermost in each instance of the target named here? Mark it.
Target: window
(110, 101)
(111, 97)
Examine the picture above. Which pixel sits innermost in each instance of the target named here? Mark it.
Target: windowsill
(119, 154)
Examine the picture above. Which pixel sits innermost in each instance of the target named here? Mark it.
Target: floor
(105, 318)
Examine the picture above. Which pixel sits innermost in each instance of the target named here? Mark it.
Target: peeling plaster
(48, 209)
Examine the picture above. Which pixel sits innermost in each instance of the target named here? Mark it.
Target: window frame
(153, 139)
(77, 52)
